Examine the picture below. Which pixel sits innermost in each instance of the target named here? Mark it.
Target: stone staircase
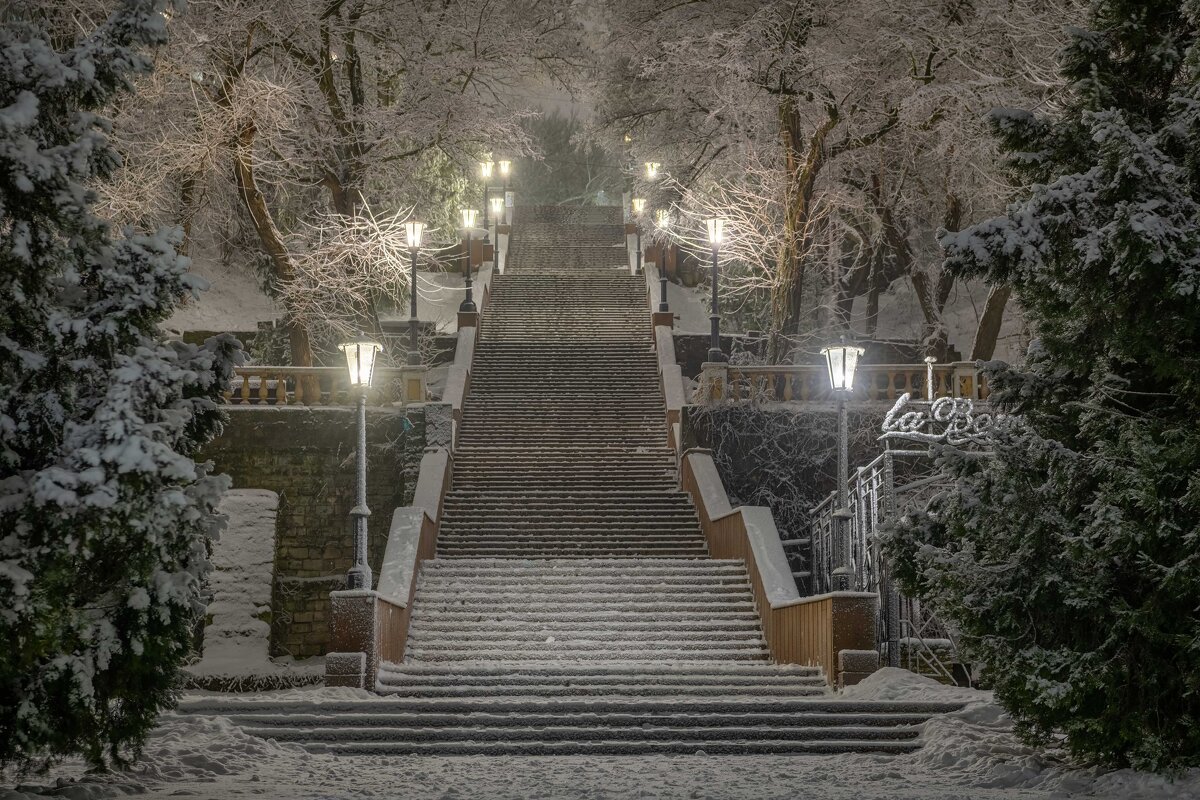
(612, 611)
(572, 606)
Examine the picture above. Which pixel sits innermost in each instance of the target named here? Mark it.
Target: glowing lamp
(716, 230)
(842, 360)
(360, 360)
(414, 231)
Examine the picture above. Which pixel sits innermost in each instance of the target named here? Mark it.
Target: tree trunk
(299, 342)
(272, 241)
(988, 331)
(793, 294)
(187, 211)
(933, 295)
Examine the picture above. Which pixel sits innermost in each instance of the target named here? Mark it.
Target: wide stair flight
(572, 606)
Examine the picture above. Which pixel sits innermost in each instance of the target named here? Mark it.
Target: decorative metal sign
(947, 420)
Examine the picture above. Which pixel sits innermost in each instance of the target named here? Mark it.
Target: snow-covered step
(552, 723)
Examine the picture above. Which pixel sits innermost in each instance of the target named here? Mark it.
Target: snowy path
(970, 755)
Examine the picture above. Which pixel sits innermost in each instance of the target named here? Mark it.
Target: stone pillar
(714, 376)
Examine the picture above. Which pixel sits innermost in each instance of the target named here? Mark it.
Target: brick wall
(306, 455)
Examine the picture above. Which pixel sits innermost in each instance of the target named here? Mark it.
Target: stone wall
(306, 456)
(691, 349)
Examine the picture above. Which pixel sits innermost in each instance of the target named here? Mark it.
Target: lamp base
(358, 577)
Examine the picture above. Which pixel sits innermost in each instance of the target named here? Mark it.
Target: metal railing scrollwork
(902, 476)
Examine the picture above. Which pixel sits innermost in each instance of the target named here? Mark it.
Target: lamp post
(638, 205)
(664, 224)
(413, 230)
(716, 232)
(505, 169)
(842, 361)
(360, 360)
(652, 168)
(497, 210)
(485, 171)
(468, 221)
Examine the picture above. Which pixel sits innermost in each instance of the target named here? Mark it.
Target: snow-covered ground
(235, 653)
(970, 755)
(235, 301)
(440, 293)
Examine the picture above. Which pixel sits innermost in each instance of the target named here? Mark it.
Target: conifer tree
(104, 513)
(1070, 562)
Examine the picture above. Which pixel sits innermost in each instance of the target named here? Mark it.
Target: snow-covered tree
(1070, 561)
(283, 118)
(104, 515)
(849, 129)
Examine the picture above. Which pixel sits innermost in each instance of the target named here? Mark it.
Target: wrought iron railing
(896, 479)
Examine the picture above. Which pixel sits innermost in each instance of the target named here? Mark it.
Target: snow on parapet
(243, 562)
(236, 640)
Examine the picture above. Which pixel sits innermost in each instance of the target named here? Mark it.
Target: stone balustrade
(809, 383)
(322, 386)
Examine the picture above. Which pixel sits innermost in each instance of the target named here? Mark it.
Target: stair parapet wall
(671, 379)
(799, 630)
(375, 623)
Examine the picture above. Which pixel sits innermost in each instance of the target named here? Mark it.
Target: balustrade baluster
(262, 389)
(281, 390)
(245, 389)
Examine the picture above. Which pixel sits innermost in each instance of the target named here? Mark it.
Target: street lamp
(485, 172)
(716, 232)
(638, 205)
(360, 360)
(842, 361)
(497, 210)
(663, 218)
(413, 230)
(468, 221)
(505, 169)
(652, 170)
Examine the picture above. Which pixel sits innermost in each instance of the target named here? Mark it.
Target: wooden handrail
(798, 630)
